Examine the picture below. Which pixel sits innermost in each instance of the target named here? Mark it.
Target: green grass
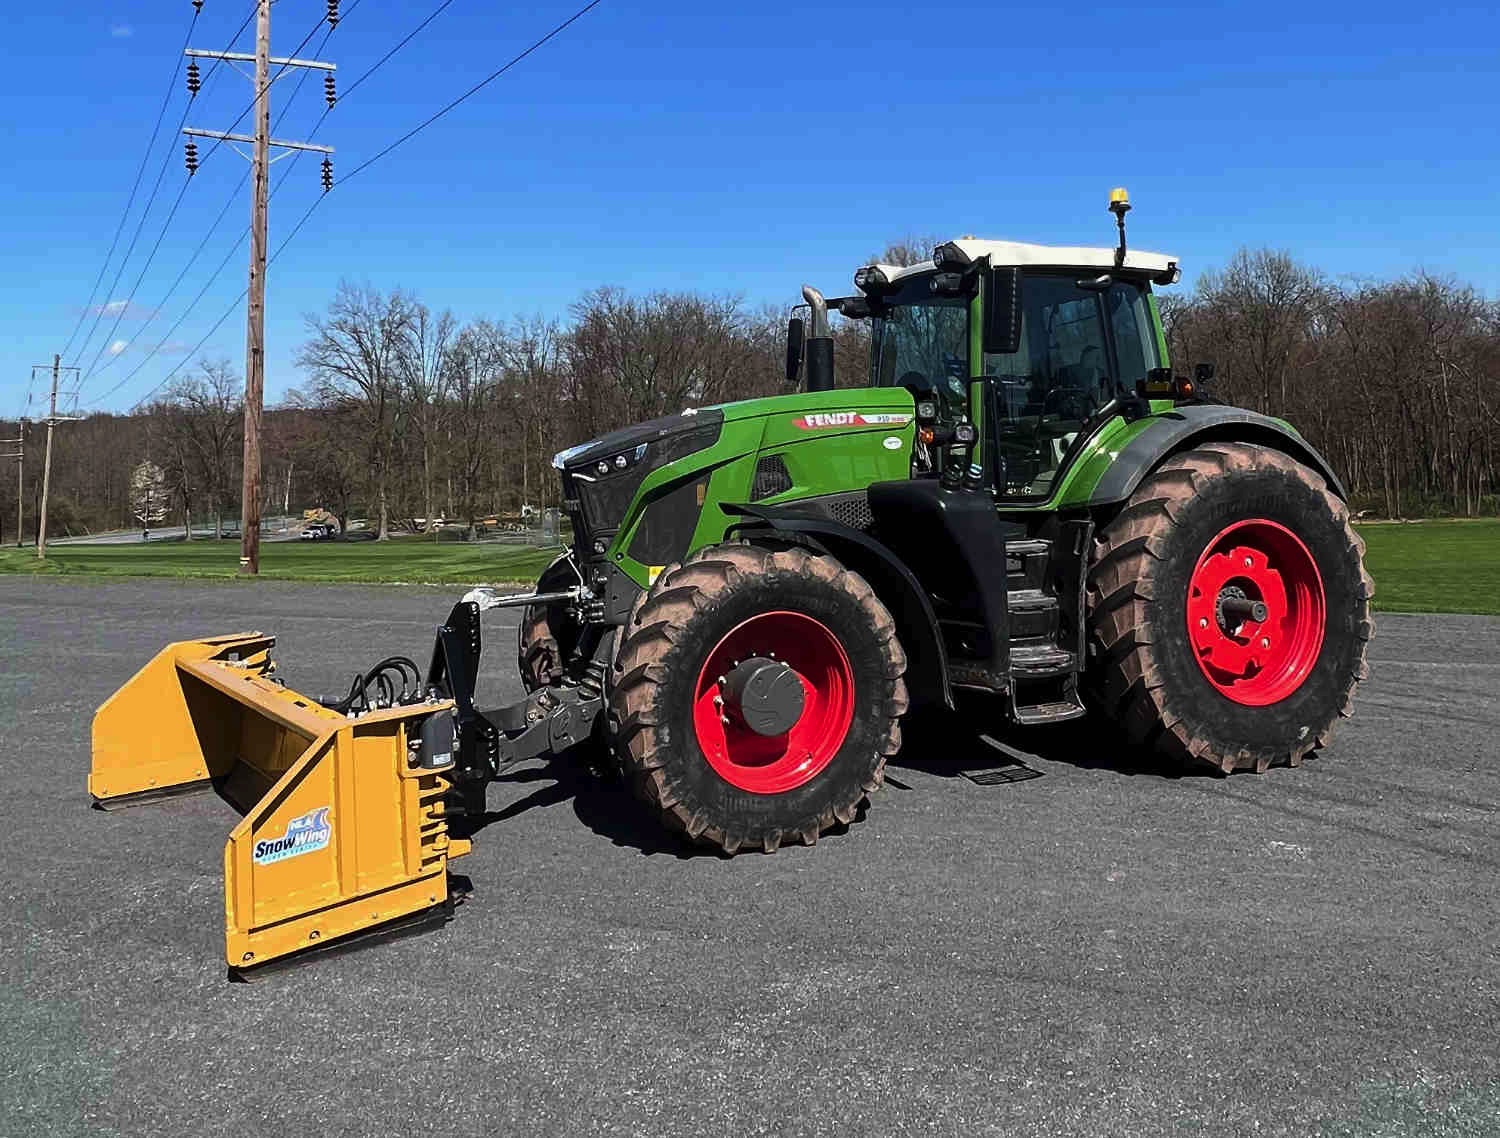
(1430, 566)
(1435, 566)
(399, 560)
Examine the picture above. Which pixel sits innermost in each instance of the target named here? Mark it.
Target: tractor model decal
(305, 834)
(822, 420)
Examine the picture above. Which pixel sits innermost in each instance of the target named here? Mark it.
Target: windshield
(1066, 369)
(925, 348)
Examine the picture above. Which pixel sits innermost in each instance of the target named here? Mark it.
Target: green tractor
(1019, 498)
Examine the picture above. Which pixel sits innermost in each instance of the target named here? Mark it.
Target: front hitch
(548, 721)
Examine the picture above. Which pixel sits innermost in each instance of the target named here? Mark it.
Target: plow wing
(344, 828)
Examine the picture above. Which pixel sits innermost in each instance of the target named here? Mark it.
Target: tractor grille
(771, 478)
(852, 510)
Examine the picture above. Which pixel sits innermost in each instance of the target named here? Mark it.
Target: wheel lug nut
(1202, 622)
(1265, 642)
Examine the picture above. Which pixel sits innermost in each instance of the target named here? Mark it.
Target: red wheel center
(774, 764)
(1250, 660)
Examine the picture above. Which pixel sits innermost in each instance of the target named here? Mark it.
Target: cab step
(1040, 714)
(1057, 703)
(1041, 661)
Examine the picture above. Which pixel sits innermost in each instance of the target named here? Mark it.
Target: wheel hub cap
(764, 695)
(1256, 612)
(774, 702)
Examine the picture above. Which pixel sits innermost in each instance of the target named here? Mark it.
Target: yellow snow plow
(346, 801)
(344, 828)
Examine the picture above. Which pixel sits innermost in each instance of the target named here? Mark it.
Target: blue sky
(735, 148)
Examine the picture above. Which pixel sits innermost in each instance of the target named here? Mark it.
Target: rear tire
(1229, 524)
(714, 779)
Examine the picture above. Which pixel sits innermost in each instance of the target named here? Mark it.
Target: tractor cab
(1039, 345)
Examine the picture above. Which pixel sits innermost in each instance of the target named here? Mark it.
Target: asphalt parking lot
(1101, 950)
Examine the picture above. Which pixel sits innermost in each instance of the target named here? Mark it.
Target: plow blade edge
(343, 830)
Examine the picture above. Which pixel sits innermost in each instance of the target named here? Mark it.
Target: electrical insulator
(190, 153)
(333, 13)
(195, 81)
(327, 175)
(197, 6)
(328, 92)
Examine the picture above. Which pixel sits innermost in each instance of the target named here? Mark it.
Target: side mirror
(1202, 373)
(1002, 311)
(795, 331)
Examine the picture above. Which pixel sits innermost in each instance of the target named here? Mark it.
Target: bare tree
(423, 362)
(202, 415)
(353, 355)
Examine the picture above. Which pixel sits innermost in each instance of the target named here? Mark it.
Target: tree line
(405, 415)
(1396, 382)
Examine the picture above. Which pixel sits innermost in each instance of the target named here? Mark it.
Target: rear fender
(896, 586)
(1185, 427)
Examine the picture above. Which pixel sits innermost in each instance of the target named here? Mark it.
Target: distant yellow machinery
(344, 828)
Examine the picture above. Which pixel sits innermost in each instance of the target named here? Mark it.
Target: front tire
(718, 774)
(548, 635)
(1230, 610)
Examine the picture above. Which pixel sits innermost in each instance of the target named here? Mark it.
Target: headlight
(605, 475)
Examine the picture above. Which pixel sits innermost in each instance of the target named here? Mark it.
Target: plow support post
(344, 832)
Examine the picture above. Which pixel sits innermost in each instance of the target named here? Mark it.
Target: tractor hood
(624, 443)
(603, 476)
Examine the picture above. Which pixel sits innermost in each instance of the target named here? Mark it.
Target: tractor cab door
(1084, 343)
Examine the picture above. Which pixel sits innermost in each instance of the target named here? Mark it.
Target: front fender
(1184, 427)
(893, 582)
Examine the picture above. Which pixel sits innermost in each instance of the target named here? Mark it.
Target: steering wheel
(1068, 403)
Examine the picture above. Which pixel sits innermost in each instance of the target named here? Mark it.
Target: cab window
(1080, 348)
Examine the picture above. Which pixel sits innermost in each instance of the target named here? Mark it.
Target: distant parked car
(319, 531)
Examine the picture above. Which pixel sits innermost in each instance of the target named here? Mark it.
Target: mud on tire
(1158, 678)
(547, 635)
(690, 613)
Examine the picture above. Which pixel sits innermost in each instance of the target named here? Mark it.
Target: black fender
(1189, 424)
(893, 582)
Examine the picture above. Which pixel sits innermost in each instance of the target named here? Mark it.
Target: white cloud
(121, 31)
(118, 346)
(125, 309)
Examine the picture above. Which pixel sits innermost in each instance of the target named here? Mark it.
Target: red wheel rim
(774, 764)
(1256, 662)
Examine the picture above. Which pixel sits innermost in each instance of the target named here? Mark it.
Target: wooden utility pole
(52, 420)
(260, 143)
(255, 307)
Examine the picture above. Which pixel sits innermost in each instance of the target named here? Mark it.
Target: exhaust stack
(819, 342)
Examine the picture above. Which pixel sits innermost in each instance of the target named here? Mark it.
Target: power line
(108, 339)
(141, 223)
(496, 74)
(379, 63)
(135, 185)
(167, 335)
(499, 71)
(213, 228)
(483, 83)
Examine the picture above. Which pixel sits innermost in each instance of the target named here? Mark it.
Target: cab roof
(966, 250)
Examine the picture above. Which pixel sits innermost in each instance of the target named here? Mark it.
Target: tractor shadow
(973, 742)
(600, 801)
(976, 741)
